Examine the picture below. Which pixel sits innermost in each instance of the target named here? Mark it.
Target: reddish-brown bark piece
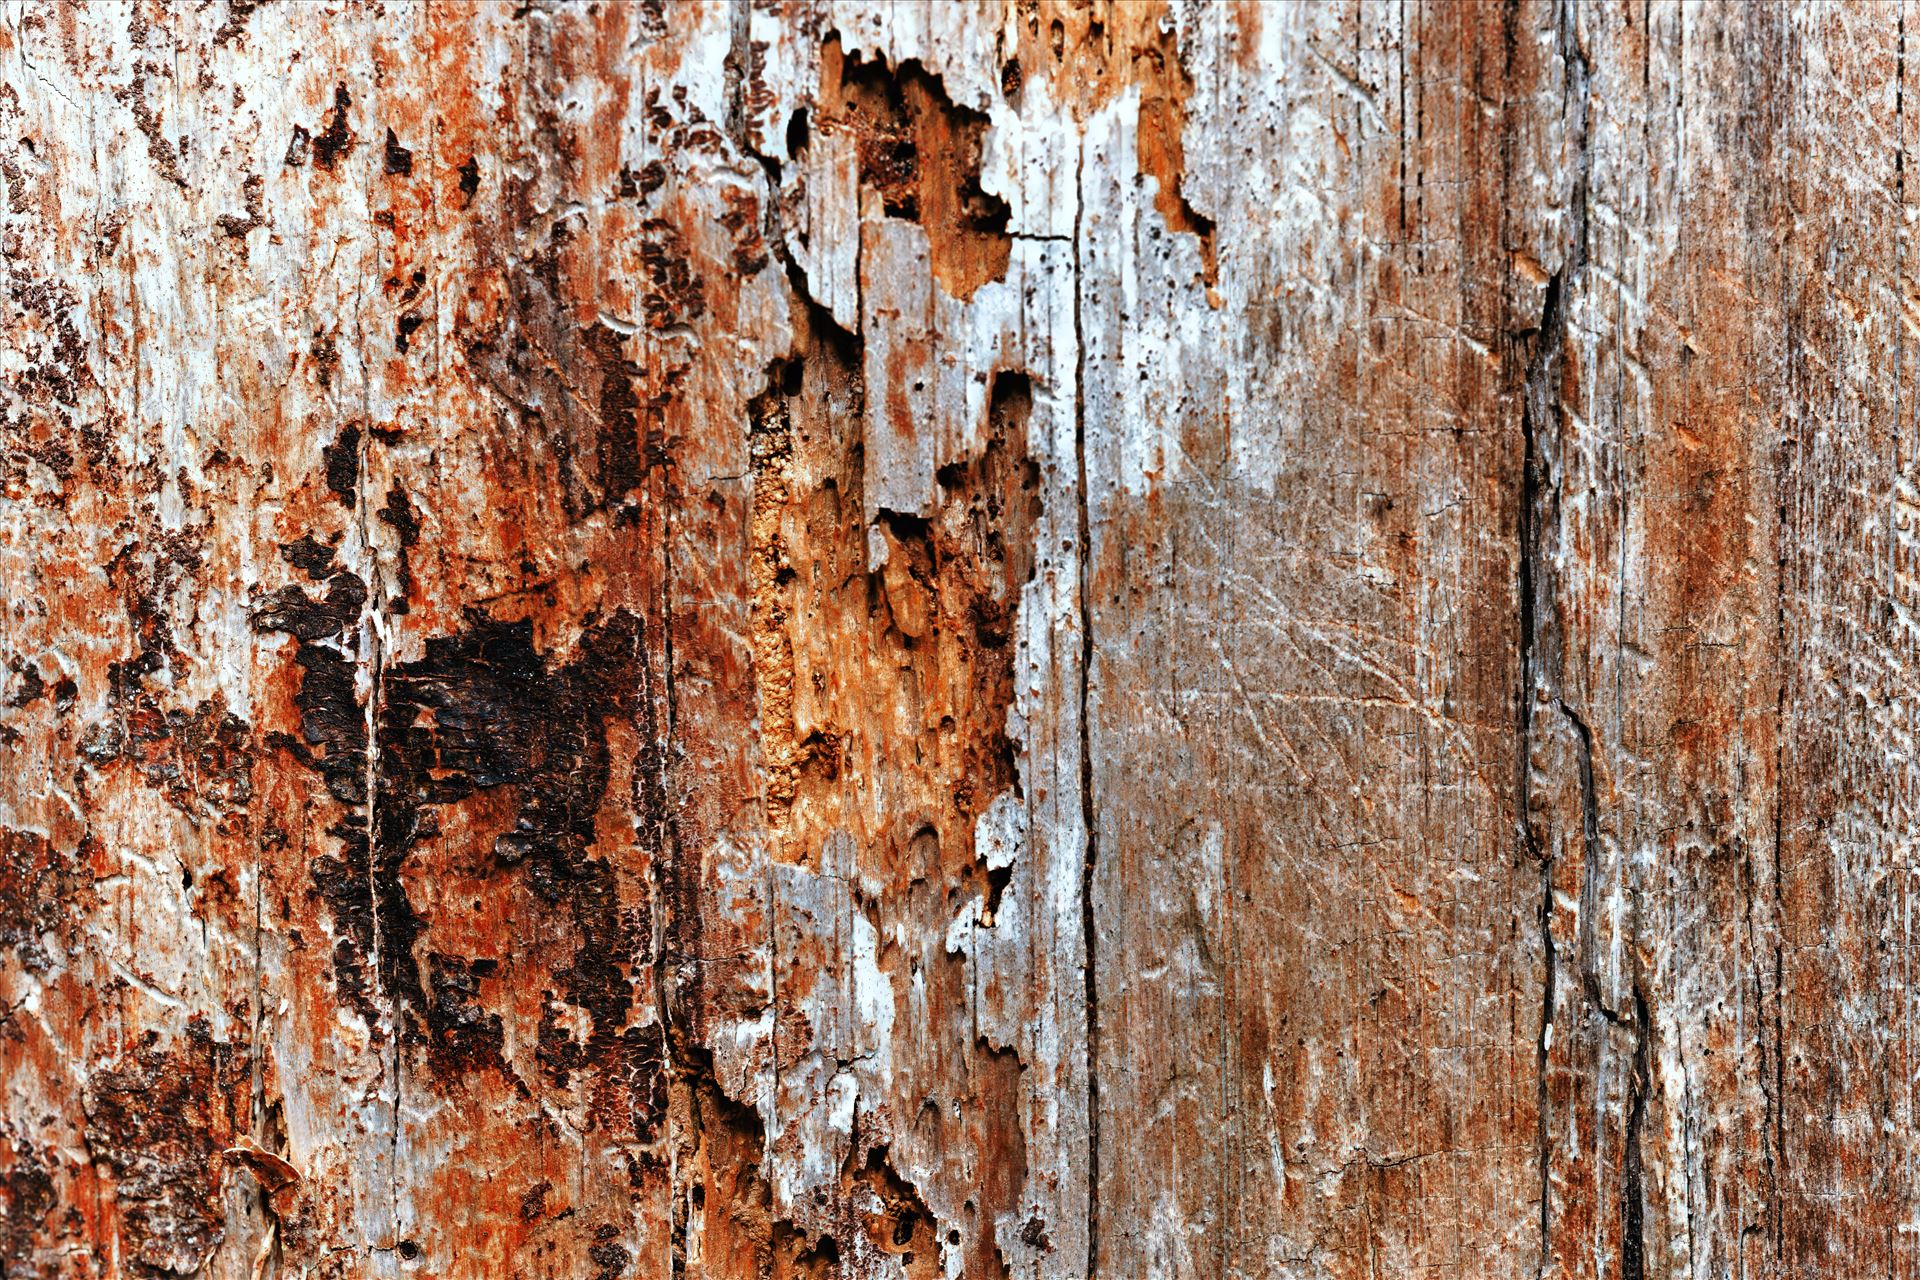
(1020, 638)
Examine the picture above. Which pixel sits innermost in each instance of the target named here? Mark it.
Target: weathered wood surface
(1011, 639)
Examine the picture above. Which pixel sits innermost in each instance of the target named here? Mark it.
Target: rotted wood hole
(1007, 638)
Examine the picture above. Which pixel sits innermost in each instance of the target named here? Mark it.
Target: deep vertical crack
(737, 69)
(1089, 954)
(372, 637)
(1776, 1103)
(1524, 696)
(1633, 1249)
(1541, 660)
(1588, 961)
(1535, 490)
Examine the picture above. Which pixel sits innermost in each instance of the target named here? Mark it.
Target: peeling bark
(1021, 638)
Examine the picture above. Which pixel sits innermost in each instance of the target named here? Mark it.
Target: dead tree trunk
(1011, 639)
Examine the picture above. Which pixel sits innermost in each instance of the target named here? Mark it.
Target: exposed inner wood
(1007, 638)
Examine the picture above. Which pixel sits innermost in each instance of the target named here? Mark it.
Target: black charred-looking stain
(27, 1203)
(466, 1036)
(400, 516)
(483, 709)
(407, 291)
(558, 1053)
(157, 1124)
(1012, 82)
(618, 444)
(469, 180)
(336, 138)
(310, 556)
(341, 460)
(404, 328)
(396, 161)
(37, 885)
(291, 610)
(650, 20)
(29, 686)
(612, 1260)
(19, 451)
(146, 575)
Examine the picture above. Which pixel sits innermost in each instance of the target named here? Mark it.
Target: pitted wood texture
(989, 639)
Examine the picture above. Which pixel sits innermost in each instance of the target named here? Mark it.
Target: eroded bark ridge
(1023, 638)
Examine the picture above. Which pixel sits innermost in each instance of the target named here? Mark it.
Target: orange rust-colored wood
(1008, 638)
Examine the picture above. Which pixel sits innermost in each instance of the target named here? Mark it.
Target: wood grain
(1021, 638)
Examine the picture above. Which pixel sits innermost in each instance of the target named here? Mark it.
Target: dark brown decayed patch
(157, 1122)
